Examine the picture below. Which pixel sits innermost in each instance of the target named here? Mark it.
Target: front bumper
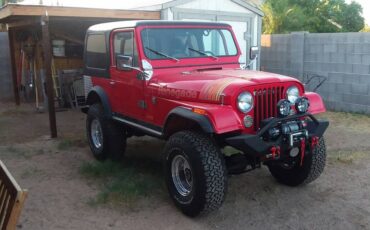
(259, 146)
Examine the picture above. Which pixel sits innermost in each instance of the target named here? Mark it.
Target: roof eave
(249, 6)
(78, 12)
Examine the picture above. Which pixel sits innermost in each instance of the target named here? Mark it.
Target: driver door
(128, 90)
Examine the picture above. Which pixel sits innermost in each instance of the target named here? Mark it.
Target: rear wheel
(195, 173)
(106, 138)
(313, 166)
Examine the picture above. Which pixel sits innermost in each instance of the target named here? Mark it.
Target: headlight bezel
(251, 101)
(292, 94)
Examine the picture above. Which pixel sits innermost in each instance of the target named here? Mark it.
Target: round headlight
(283, 108)
(292, 94)
(245, 102)
(302, 104)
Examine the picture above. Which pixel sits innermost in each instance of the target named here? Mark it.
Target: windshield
(175, 43)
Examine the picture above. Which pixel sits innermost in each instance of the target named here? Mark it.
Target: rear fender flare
(97, 94)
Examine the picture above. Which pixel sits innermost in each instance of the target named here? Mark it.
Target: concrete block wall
(276, 53)
(6, 86)
(344, 58)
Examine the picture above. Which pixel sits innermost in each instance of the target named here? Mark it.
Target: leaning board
(12, 198)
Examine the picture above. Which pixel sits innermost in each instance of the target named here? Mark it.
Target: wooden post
(46, 46)
(14, 67)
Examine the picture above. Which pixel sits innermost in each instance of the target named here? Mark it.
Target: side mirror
(124, 62)
(253, 52)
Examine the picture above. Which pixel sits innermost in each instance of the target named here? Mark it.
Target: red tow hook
(303, 149)
(275, 152)
(314, 142)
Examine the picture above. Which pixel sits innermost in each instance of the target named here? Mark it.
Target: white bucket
(59, 48)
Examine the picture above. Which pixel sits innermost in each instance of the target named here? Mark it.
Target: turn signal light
(199, 111)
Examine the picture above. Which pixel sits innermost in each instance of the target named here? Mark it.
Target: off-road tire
(208, 168)
(313, 166)
(114, 139)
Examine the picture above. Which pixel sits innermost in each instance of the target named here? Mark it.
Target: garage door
(243, 37)
(241, 26)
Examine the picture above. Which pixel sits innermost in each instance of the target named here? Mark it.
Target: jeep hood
(209, 85)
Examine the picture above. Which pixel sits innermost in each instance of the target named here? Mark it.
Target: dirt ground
(60, 196)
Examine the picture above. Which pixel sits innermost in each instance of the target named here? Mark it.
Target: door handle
(112, 83)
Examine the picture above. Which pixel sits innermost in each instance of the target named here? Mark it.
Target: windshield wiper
(203, 53)
(162, 54)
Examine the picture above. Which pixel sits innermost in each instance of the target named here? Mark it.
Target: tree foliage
(315, 16)
(366, 29)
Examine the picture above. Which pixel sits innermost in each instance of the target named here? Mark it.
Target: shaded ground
(68, 190)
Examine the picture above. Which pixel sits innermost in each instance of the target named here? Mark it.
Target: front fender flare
(203, 121)
(316, 103)
(218, 119)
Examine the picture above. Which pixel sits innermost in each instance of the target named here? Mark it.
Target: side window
(230, 44)
(96, 51)
(124, 44)
(219, 42)
(213, 42)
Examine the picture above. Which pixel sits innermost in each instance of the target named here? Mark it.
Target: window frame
(193, 27)
(135, 45)
(94, 71)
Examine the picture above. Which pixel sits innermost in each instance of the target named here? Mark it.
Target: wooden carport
(53, 21)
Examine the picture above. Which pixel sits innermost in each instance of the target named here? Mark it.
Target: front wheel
(312, 167)
(195, 173)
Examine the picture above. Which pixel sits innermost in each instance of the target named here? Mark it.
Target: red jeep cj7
(185, 82)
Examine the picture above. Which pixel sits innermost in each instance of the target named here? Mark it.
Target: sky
(127, 4)
(366, 9)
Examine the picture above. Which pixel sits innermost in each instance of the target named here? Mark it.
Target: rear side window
(96, 51)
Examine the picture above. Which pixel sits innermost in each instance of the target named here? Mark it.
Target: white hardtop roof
(130, 24)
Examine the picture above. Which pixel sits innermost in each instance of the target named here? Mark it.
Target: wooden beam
(23, 23)
(5, 12)
(78, 12)
(68, 37)
(3, 28)
(13, 66)
(49, 80)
